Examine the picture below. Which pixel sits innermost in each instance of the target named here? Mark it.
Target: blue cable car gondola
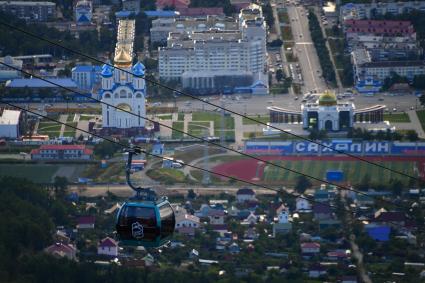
(144, 220)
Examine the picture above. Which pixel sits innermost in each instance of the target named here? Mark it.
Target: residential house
(364, 200)
(329, 223)
(316, 271)
(193, 254)
(203, 211)
(283, 226)
(324, 194)
(302, 204)
(245, 194)
(310, 248)
(233, 211)
(187, 224)
(216, 217)
(60, 250)
(252, 219)
(349, 279)
(86, 222)
(243, 213)
(339, 254)
(378, 232)
(234, 248)
(251, 234)
(61, 237)
(392, 218)
(107, 246)
(322, 211)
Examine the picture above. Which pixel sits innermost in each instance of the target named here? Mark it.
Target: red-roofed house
(62, 152)
(310, 248)
(177, 4)
(107, 246)
(60, 250)
(201, 12)
(86, 222)
(379, 27)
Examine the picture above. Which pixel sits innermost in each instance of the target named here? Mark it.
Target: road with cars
(304, 49)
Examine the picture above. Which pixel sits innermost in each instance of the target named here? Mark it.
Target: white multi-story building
(9, 123)
(162, 27)
(364, 67)
(217, 52)
(39, 11)
(8, 73)
(124, 90)
(369, 10)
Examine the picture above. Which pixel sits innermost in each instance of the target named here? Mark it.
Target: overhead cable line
(124, 146)
(209, 103)
(206, 140)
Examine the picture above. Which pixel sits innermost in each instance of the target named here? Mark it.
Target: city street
(304, 49)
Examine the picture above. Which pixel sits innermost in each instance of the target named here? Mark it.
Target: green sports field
(354, 171)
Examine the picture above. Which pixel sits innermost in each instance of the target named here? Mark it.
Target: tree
(191, 194)
(412, 135)
(106, 149)
(61, 184)
(279, 75)
(303, 183)
(396, 187)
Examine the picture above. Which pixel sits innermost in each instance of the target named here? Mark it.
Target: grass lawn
(287, 34)
(397, 117)
(86, 117)
(421, 117)
(283, 17)
(165, 117)
(70, 118)
(51, 129)
(229, 122)
(180, 116)
(37, 173)
(166, 175)
(199, 129)
(178, 126)
(264, 119)
(353, 170)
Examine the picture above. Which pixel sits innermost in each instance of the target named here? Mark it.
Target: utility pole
(206, 176)
(222, 126)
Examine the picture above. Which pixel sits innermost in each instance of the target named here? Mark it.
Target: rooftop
(38, 83)
(9, 117)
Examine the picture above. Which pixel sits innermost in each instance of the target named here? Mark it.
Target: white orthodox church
(123, 87)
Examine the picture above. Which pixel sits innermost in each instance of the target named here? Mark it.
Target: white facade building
(9, 123)
(7, 73)
(302, 204)
(126, 91)
(216, 52)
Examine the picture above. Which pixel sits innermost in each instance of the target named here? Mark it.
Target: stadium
(326, 163)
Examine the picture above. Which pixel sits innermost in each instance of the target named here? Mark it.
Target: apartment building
(162, 27)
(217, 52)
(370, 10)
(30, 10)
(62, 152)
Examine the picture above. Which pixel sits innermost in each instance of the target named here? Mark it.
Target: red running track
(247, 169)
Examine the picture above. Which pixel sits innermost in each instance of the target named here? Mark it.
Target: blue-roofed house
(86, 76)
(162, 14)
(378, 233)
